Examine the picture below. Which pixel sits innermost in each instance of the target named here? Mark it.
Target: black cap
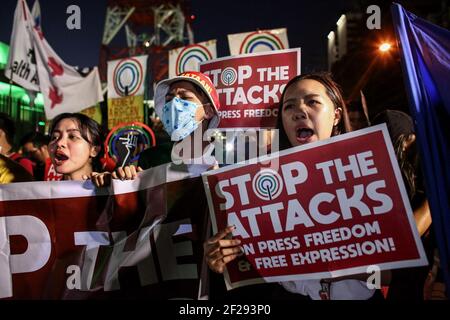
(397, 122)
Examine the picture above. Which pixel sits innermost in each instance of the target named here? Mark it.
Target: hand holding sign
(220, 251)
(104, 179)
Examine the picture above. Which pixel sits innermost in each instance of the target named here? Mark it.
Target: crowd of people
(311, 108)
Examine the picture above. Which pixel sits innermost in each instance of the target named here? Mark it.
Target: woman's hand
(126, 173)
(103, 179)
(220, 251)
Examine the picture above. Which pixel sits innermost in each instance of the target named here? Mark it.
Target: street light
(385, 47)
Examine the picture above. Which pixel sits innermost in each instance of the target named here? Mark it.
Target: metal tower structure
(151, 27)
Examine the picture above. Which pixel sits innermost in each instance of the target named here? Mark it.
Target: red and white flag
(63, 87)
(21, 66)
(36, 13)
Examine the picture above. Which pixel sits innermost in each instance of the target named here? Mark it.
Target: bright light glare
(385, 47)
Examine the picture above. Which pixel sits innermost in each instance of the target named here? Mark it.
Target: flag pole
(10, 93)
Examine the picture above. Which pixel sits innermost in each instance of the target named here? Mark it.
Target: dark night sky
(308, 24)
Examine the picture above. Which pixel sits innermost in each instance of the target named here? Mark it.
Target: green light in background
(39, 101)
(4, 51)
(26, 99)
(20, 93)
(41, 123)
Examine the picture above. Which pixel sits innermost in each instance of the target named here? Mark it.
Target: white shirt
(339, 290)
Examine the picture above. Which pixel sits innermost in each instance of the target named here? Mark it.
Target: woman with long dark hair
(75, 145)
(311, 109)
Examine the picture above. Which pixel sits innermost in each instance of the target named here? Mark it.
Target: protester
(356, 116)
(35, 147)
(7, 132)
(75, 145)
(311, 109)
(408, 283)
(186, 103)
(11, 171)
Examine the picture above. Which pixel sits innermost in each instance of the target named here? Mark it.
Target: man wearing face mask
(185, 104)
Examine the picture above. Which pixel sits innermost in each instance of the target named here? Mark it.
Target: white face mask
(178, 118)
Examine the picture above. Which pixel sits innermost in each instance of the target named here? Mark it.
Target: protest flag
(35, 66)
(21, 66)
(36, 13)
(425, 57)
(64, 88)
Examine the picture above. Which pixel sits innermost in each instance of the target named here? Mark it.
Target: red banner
(69, 240)
(250, 86)
(325, 209)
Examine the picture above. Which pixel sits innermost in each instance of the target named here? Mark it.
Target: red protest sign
(325, 209)
(250, 86)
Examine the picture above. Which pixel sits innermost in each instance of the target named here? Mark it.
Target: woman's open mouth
(60, 157)
(304, 135)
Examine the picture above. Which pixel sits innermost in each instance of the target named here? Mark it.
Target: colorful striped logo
(128, 77)
(126, 141)
(267, 184)
(228, 76)
(190, 57)
(260, 41)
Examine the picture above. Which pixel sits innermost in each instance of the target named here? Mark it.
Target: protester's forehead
(67, 123)
(182, 84)
(306, 86)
